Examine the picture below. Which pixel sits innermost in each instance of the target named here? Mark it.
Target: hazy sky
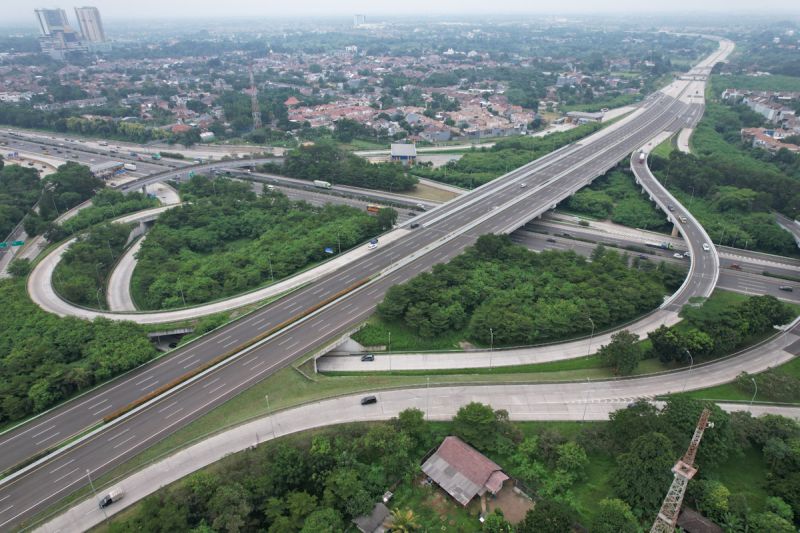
(22, 10)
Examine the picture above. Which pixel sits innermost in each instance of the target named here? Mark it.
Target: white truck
(130, 166)
(322, 184)
(113, 495)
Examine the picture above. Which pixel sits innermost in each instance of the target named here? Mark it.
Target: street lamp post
(271, 276)
(755, 391)
(97, 295)
(180, 288)
(591, 336)
(491, 346)
(91, 484)
(271, 422)
(586, 402)
(691, 364)
(338, 242)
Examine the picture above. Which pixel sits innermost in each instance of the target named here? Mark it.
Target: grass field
(774, 82)
(429, 192)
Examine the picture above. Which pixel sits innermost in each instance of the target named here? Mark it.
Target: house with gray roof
(462, 471)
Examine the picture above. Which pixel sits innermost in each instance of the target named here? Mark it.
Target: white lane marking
(210, 383)
(284, 341)
(181, 359)
(106, 408)
(259, 321)
(96, 404)
(65, 475)
(224, 339)
(47, 438)
(373, 291)
(318, 290)
(292, 345)
(258, 365)
(117, 445)
(175, 412)
(190, 363)
(148, 378)
(7, 509)
(250, 361)
(43, 431)
(215, 389)
(118, 435)
(53, 471)
(167, 406)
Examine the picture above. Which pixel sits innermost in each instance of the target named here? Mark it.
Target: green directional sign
(3, 245)
(17, 243)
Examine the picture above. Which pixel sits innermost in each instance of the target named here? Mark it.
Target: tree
(769, 522)
(412, 422)
(666, 344)
(387, 217)
(403, 521)
(19, 268)
(712, 497)
(325, 520)
(477, 424)
(614, 516)
(497, 523)
(623, 353)
(548, 516)
(229, 507)
(572, 459)
(644, 473)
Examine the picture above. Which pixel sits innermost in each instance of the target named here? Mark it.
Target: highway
(500, 206)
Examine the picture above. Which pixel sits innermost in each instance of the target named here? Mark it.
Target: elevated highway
(499, 206)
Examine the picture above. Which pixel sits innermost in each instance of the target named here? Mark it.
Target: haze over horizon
(22, 11)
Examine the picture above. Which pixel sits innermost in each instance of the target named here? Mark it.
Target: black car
(786, 288)
(106, 501)
(551, 240)
(414, 225)
(368, 357)
(412, 214)
(366, 400)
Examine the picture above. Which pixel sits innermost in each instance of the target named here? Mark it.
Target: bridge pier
(675, 232)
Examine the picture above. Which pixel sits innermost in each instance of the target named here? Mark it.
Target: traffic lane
(92, 407)
(490, 190)
(67, 471)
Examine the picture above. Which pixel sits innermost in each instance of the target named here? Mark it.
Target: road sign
(328, 250)
(3, 245)
(17, 243)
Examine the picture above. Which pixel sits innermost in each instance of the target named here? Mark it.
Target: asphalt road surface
(499, 206)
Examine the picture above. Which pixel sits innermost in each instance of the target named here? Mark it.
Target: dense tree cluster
(19, 191)
(325, 161)
(45, 359)
(502, 291)
(70, 185)
(106, 204)
(226, 240)
(713, 331)
(477, 167)
(615, 196)
(82, 273)
(310, 487)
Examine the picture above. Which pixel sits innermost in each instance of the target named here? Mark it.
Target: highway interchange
(500, 206)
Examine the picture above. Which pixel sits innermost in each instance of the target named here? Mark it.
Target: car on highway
(687, 253)
(412, 214)
(786, 288)
(414, 225)
(523, 185)
(706, 247)
(372, 244)
(671, 207)
(682, 219)
(368, 357)
(735, 266)
(366, 400)
(677, 255)
(420, 207)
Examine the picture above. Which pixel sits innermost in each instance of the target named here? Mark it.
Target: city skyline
(117, 9)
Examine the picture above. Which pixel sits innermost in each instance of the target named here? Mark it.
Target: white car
(677, 256)
(706, 247)
(372, 244)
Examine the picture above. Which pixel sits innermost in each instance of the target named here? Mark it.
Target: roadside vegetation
(82, 274)
(325, 161)
(19, 191)
(501, 294)
(601, 477)
(479, 166)
(616, 197)
(45, 359)
(106, 204)
(226, 240)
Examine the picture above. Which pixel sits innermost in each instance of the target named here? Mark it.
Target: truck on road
(322, 184)
(130, 166)
(662, 245)
(114, 495)
(642, 157)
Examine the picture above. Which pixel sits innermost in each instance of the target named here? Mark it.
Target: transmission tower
(684, 470)
(254, 101)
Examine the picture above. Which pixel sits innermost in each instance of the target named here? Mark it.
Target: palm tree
(402, 521)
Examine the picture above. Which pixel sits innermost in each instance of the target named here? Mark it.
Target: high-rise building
(90, 24)
(359, 20)
(52, 21)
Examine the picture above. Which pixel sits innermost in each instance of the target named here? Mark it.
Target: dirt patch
(513, 505)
